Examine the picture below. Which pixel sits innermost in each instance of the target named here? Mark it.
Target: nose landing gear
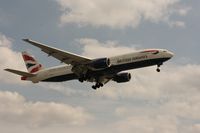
(158, 67)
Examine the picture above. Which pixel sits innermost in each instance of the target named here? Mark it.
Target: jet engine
(122, 77)
(100, 63)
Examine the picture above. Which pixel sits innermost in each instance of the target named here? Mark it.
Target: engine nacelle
(122, 77)
(100, 63)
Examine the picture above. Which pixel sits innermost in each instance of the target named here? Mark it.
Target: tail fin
(31, 64)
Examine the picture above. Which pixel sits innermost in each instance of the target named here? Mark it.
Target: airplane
(100, 70)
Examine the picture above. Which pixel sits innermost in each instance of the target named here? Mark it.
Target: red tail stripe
(35, 69)
(26, 58)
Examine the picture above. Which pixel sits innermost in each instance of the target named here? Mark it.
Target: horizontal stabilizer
(25, 74)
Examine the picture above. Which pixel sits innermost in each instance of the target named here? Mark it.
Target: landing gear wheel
(97, 85)
(101, 85)
(80, 80)
(158, 68)
(94, 87)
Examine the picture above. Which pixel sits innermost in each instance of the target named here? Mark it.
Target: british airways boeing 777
(100, 70)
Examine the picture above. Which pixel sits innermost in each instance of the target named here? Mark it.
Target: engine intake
(122, 77)
(100, 63)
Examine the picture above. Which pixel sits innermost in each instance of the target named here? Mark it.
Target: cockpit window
(156, 52)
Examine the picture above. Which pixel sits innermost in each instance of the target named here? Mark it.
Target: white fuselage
(131, 58)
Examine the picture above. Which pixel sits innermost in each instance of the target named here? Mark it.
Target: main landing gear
(82, 78)
(97, 85)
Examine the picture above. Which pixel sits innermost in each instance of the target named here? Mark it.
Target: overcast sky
(151, 102)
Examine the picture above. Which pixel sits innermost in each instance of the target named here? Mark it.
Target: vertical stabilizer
(31, 63)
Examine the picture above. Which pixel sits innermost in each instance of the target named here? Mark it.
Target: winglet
(26, 40)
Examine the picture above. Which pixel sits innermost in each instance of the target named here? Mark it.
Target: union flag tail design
(31, 64)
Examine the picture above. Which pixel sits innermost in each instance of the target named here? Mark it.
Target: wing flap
(63, 56)
(21, 73)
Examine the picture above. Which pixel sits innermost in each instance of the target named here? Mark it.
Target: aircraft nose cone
(171, 54)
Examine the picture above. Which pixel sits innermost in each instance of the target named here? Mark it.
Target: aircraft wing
(63, 56)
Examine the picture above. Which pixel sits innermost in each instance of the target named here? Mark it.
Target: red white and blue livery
(100, 70)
